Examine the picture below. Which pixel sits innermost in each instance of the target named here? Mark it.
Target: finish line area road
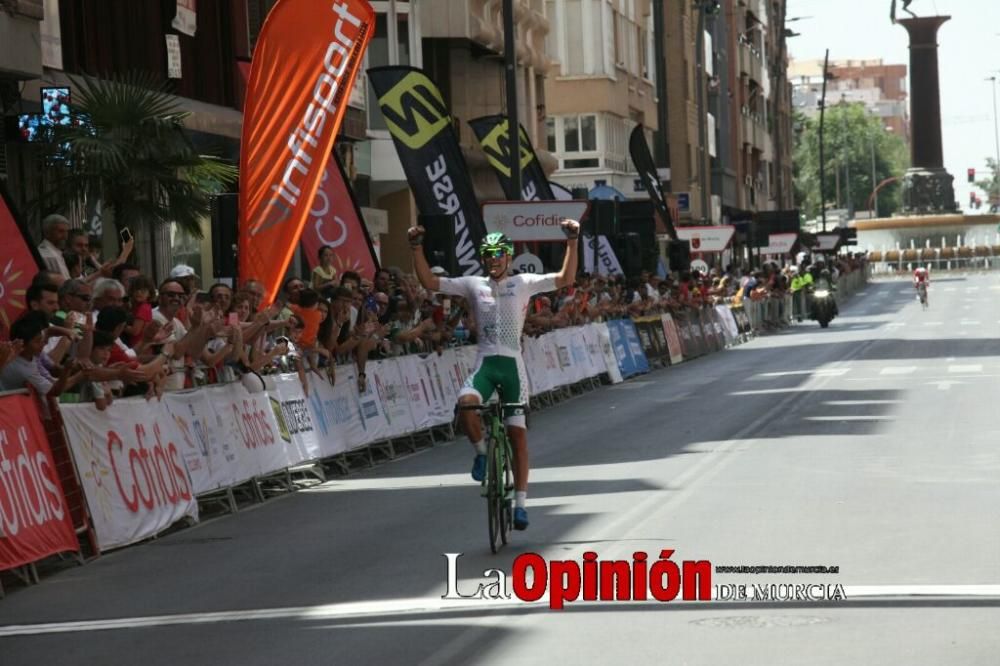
(872, 446)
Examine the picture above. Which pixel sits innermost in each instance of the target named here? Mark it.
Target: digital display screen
(29, 126)
(56, 106)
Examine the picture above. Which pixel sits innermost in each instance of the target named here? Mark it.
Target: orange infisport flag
(304, 65)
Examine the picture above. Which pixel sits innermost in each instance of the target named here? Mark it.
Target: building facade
(729, 109)
(881, 87)
(600, 86)
(459, 43)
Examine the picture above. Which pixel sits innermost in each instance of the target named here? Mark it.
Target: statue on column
(906, 8)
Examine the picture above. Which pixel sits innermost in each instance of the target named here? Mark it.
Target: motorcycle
(824, 308)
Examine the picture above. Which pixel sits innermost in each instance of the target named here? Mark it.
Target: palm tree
(127, 147)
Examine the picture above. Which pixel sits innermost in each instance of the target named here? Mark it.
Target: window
(644, 55)
(620, 40)
(571, 134)
(575, 39)
(574, 139)
(391, 44)
(588, 133)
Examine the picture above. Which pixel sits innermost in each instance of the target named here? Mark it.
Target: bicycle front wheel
(494, 497)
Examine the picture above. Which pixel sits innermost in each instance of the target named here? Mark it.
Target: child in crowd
(140, 294)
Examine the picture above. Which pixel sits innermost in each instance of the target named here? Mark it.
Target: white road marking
(819, 372)
(859, 403)
(769, 391)
(951, 288)
(944, 385)
(907, 370)
(933, 323)
(895, 324)
(414, 607)
(969, 322)
(849, 418)
(965, 368)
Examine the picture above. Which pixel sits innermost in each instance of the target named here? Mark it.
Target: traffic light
(972, 175)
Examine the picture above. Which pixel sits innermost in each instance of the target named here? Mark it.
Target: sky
(968, 53)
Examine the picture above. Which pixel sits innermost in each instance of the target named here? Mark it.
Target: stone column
(927, 185)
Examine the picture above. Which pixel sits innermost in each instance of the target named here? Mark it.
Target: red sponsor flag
(19, 263)
(335, 220)
(304, 65)
(34, 518)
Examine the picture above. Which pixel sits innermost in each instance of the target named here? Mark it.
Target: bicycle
(922, 295)
(498, 484)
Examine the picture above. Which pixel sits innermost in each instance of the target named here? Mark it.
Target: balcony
(751, 63)
(752, 128)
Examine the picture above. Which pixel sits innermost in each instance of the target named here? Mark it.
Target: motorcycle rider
(824, 282)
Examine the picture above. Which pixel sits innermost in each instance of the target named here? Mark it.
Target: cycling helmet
(497, 241)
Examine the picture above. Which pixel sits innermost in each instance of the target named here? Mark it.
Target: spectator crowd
(94, 330)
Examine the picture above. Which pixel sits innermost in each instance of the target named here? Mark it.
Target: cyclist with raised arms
(501, 303)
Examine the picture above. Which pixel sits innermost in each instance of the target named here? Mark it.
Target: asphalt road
(873, 446)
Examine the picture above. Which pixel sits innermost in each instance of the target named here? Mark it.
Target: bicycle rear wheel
(494, 493)
(506, 493)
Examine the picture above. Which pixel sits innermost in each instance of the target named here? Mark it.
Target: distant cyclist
(921, 280)
(501, 303)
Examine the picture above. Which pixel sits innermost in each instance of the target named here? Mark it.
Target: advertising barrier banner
(332, 408)
(627, 348)
(34, 518)
(729, 327)
(654, 343)
(131, 468)
(207, 447)
(674, 348)
(608, 352)
(296, 425)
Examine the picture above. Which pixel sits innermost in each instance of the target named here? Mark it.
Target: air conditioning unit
(748, 181)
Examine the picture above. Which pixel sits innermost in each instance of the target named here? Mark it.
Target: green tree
(127, 147)
(991, 185)
(850, 135)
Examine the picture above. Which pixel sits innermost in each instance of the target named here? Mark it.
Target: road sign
(683, 202)
(532, 220)
(779, 243)
(528, 263)
(707, 239)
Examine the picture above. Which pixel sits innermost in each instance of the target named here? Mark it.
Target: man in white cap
(186, 276)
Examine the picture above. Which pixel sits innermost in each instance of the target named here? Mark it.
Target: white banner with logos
(607, 260)
(131, 467)
(532, 220)
(294, 416)
(142, 463)
(707, 239)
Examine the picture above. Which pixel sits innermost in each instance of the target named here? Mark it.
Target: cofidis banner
(428, 148)
(335, 221)
(304, 66)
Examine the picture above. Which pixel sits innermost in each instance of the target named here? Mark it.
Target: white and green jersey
(500, 307)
